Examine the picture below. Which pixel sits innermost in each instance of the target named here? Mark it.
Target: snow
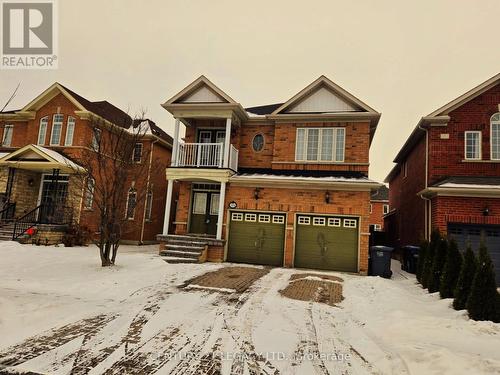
(301, 178)
(382, 326)
(222, 290)
(58, 157)
(470, 186)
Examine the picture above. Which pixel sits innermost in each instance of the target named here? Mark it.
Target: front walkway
(62, 313)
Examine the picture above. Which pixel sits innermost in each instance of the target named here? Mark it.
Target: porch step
(185, 246)
(176, 260)
(187, 237)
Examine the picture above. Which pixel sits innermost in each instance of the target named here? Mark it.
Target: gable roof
(38, 157)
(263, 109)
(441, 115)
(192, 91)
(324, 82)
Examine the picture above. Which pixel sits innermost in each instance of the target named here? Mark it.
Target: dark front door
(204, 212)
(53, 197)
(211, 136)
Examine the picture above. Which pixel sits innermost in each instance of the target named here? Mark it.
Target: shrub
(482, 301)
(464, 282)
(424, 245)
(437, 266)
(76, 236)
(451, 271)
(429, 257)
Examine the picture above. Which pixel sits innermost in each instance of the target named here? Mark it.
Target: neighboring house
(447, 174)
(379, 206)
(40, 151)
(280, 184)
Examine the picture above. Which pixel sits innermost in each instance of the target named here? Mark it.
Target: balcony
(205, 155)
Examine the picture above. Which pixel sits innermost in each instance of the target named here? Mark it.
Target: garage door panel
(256, 238)
(466, 234)
(330, 247)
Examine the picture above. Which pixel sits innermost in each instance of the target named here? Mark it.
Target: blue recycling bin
(380, 261)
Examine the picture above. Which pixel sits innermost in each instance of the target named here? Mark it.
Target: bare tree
(113, 183)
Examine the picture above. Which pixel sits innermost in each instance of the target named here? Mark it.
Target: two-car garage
(321, 241)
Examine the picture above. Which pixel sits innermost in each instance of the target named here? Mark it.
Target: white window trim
(133, 153)
(304, 220)
(11, 127)
(60, 129)
(319, 221)
(43, 121)
(278, 219)
(320, 135)
(377, 227)
(334, 222)
(371, 208)
(236, 216)
(264, 218)
(465, 144)
(128, 201)
(385, 209)
(69, 142)
(252, 218)
(497, 122)
(350, 223)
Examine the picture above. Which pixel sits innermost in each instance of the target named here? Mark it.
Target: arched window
(131, 203)
(42, 130)
(495, 136)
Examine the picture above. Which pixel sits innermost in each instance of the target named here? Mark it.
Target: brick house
(379, 206)
(447, 174)
(282, 184)
(42, 144)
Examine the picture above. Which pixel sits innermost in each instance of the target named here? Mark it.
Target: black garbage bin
(380, 261)
(411, 258)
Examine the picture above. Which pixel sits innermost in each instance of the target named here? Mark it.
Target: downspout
(147, 187)
(427, 207)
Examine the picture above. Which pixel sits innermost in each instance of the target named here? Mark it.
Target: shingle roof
(301, 173)
(468, 180)
(264, 109)
(380, 194)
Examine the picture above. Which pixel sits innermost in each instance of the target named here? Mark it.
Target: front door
(54, 191)
(204, 212)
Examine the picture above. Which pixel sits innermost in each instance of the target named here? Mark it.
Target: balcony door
(208, 153)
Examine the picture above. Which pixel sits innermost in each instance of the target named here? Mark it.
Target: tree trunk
(115, 251)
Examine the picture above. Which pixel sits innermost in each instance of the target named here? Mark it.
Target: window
(7, 135)
(251, 217)
(149, 204)
(131, 203)
(334, 222)
(264, 218)
(237, 216)
(96, 140)
(304, 220)
(214, 204)
(495, 136)
(137, 156)
(319, 221)
(377, 227)
(42, 130)
(473, 145)
(320, 144)
(200, 203)
(55, 135)
(258, 142)
(70, 130)
(371, 208)
(386, 209)
(88, 199)
(278, 219)
(349, 223)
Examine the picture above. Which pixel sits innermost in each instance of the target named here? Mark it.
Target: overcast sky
(403, 58)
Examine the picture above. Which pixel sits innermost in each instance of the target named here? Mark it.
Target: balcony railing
(205, 155)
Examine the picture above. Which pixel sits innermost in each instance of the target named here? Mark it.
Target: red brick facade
(26, 132)
(377, 213)
(416, 214)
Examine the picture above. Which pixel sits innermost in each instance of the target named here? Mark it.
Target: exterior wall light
(327, 197)
(486, 211)
(256, 193)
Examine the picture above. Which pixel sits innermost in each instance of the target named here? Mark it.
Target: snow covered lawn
(60, 312)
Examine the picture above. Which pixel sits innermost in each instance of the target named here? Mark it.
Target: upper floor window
(96, 140)
(320, 144)
(131, 203)
(495, 136)
(55, 136)
(70, 131)
(258, 142)
(137, 155)
(7, 135)
(386, 209)
(473, 145)
(42, 131)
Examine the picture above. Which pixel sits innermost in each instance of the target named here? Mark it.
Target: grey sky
(403, 58)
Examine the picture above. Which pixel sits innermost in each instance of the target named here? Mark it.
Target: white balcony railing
(209, 155)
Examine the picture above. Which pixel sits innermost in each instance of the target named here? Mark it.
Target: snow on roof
(304, 178)
(58, 157)
(250, 114)
(470, 186)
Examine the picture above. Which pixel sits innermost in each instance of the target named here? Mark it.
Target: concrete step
(187, 246)
(175, 260)
(185, 237)
(181, 254)
(178, 241)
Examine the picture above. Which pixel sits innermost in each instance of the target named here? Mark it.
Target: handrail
(25, 222)
(7, 213)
